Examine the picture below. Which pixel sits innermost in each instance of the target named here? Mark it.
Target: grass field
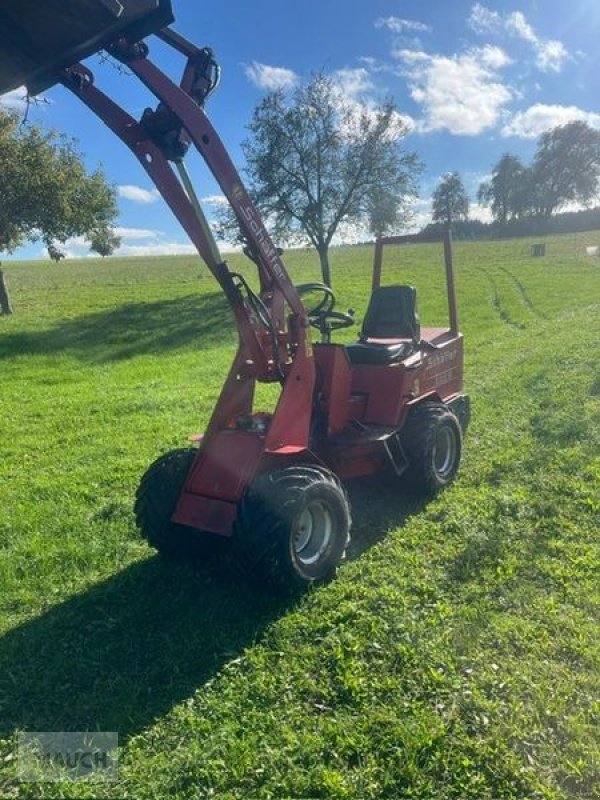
(458, 653)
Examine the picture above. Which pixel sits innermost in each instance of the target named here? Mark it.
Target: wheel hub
(444, 452)
(312, 533)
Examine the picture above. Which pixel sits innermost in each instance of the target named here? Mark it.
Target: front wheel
(294, 526)
(432, 441)
(155, 502)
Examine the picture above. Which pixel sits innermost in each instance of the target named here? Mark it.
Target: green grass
(456, 656)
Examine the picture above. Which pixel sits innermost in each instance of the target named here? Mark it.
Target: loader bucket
(38, 38)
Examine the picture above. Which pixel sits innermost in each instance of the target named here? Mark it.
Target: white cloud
(358, 110)
(138, 195)
(354, 89)
(353, 82)
(75, 242)
(374, 66)
(473, 180)
(400, 124)
(15, 100)
(398, 25)
(422, 210)
(550, 53)
(484, 20)
(270, 78)
(136, 234)
(538, 118)
(410, 56)
(79, 246)
(167, 249)
(369, 61)
(461, 94)
(420, 214)
(551, 56)
(481, 213)
(217, 200)
(157, 249)
(516, 24)
(493, 57)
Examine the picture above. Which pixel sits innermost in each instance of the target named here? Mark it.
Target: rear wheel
(294, 526)
(432, 440)
(155, 502)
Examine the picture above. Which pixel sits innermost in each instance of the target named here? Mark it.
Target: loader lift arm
(266, 352)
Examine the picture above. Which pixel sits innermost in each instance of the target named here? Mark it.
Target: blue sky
(473, 80)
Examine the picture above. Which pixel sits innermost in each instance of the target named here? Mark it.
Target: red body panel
(292, 418)
(356, 459)
(226, 463)
(379, 394)
(443, 369)
(383, 386)
(334, 385)
(206, 514)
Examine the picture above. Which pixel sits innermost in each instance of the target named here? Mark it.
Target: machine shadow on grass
(131, 330)
(379, 504)
(120, 655)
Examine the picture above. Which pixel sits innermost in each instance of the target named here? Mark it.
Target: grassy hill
(456, 656)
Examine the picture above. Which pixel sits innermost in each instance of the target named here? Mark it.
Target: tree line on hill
(526, 200)
(317, 162)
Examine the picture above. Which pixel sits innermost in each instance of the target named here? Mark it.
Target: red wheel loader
(391, 402)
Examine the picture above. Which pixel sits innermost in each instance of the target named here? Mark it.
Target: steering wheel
(322, 316)
(332, 321)
(325, 304)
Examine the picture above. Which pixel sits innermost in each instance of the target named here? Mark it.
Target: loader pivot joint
(163, 125)
(166, 131)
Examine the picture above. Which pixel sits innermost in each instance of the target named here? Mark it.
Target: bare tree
(317, 160)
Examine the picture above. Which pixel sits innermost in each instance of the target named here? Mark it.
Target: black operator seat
(391, 327)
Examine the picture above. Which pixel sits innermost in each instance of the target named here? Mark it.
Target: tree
(506, 192)
(47, 193)
(55, 253)
(317, 160)
(450, 200)
(104, 242)
(5, 304)
(385, 213)
(566, 167)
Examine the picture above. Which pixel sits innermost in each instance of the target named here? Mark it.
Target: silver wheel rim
(444, 452)
(312, 533)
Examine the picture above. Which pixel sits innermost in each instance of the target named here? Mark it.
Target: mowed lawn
(457, 655)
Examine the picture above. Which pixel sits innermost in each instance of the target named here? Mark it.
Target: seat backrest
(392, 314)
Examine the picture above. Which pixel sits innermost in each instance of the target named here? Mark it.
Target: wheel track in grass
(527, 301)
(496, 303)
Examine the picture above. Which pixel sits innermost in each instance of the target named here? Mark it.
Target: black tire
(155, 503)
(294, 527)
(432, 441)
